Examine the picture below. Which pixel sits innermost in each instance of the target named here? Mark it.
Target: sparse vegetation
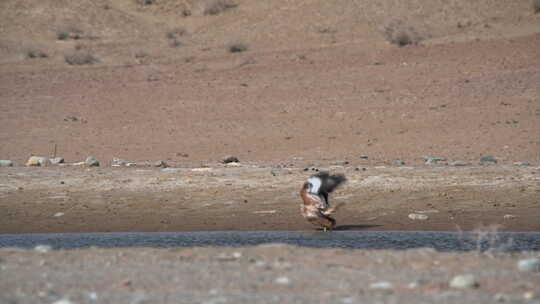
(80, 58)
(173, 36)
(536, 6)
(69, 33)
(400, 34)
(237, 47)
(146, 2)
(214, 7)
(35, 54)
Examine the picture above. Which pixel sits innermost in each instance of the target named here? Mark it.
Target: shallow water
(442, 241)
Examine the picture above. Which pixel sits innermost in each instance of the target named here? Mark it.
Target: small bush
(35, 54)
(80, 58)
(237, 47)
(400, 34)
(69, 33)
(536, 6)
(214, 7)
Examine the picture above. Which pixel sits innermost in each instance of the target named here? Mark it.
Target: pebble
(433, 160)
(522, 164)
(341, 163)
(529, 265)
(231, 159)
(464, 281)
(458, 163)
(57, 160)
(531, 295)
(363, 157)
(63, 301)
(59, 214)
(43, 248)
(398, 162)
(91, 161)
(488, 160)
(161, 163)
(37, 161)
(6, 163)
(381, 285)
(416, 216)
(417, 284)
(283, 281)
(117, 162)
(509, 216)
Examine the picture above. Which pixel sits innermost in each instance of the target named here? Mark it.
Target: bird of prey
(316, 207)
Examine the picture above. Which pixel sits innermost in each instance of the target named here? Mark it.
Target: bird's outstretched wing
(330, 182)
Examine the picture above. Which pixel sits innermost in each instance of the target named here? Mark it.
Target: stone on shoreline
(529, 265)
(488, 160)
(231, 159)
(464, 281)
(458, 163)
(57, 160)
(37, 161)
(430, 160)
(6, 163)
(416, 216)
(91, 161)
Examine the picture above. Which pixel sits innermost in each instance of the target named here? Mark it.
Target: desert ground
(367, 88)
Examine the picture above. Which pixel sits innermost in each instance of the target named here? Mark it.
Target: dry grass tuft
(237, 47)
(396, 32)
(69, 33)
(80, 58)
(215, 7)
(35, 54)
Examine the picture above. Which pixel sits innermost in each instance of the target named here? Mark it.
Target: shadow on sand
(354, 227)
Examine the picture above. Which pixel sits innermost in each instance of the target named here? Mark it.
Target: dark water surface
(443, 241)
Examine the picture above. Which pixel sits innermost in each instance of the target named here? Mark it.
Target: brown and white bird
(316, 207)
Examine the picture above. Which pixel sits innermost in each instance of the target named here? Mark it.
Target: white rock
(509, 216)
(283, 281)
(6, 163)
(464, 281)
(57, 160)
(91, 161)
(59, 214)
(529, 265)
(381, 285)
(416, 216)
(38, 161)
(531, 295)
(117, 162)
(63, 301)
(43, 248)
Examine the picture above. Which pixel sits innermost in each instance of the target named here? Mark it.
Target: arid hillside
(270, 81)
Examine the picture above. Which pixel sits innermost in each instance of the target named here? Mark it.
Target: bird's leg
(329, 211)
(325, 229)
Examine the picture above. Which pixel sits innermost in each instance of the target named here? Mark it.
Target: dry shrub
(237, 47)
(35, 54)
(536, 6)
(401, 34)
(69, 33)
(214, 7)
(80, 58)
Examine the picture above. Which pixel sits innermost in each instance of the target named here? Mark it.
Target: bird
(314, 193)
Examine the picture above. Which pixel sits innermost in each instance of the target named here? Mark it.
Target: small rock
(233, 164)
(501, 297)
(57, 160)
(37, 161)
(360, 169)
(464, 281)
(381, 285)
(91, 161)
(509, 216)
(416, 216)
(283, 281)
(6, 163)
(43, 248)
(231, 159)
(488, 160)
(529, 265)
(522, 164)
(433, 160)
(63, 301)
(59, 214)
(398, 162)
(131, 164)
(417, 283)
(458, 163)
(161, 163)
(117, 162)
(363, 157)
(531, 295)
(341, 163)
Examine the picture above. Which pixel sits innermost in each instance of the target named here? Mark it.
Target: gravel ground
(272, 273)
